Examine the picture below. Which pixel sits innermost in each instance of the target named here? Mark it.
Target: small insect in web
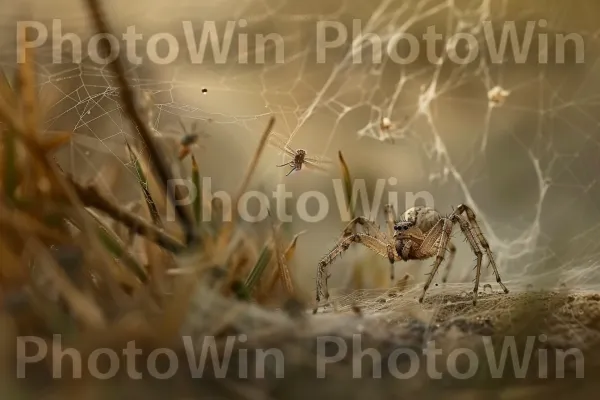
(189, 139)
(299, 157)
(389, 130)
(386, 124)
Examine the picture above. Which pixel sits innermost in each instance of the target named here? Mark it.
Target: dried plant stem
(227, 228)
(90, 197)
(254, 162)
(157, 157)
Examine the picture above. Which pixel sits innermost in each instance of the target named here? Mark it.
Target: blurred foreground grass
(68, 268)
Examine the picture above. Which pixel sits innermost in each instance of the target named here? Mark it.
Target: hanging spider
(299, 158)
(421, 233)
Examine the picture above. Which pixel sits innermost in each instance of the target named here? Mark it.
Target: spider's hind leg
(465, 228)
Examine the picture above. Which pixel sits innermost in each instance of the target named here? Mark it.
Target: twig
(254, 162)
(90, 197)
(227, 228)
(156, 155)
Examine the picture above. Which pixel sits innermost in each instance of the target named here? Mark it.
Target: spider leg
(371, 242)
(439, 233)
(292, 170)
(369, 227)
(452, 251)
(390, 218)
(484, 243)
(465, 227)
(286, 164)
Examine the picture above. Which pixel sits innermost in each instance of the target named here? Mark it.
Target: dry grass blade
(276, 273)
(347, 180)
(227, 228)
(157, 156)
(27, 85)
(291, 249)
(254, 162)
(29, 113)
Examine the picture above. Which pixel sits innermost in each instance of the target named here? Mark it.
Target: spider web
(528, 167)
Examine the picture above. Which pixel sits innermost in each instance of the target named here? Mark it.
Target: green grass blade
(259, 268)
(196, 181)
(241, 291)
(144, 185)
(113, 245)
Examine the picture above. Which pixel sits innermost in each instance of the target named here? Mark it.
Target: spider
(299, 157)
(419, 234)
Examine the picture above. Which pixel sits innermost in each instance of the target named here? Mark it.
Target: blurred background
(529, 166)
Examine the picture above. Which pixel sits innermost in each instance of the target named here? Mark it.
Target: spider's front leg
(373, 242)
(323, 268)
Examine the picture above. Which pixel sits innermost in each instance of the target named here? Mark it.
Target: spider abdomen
(422, 217)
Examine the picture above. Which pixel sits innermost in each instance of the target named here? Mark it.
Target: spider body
(299, 159)
(410, 232)
(420, 233)
(297, 162)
